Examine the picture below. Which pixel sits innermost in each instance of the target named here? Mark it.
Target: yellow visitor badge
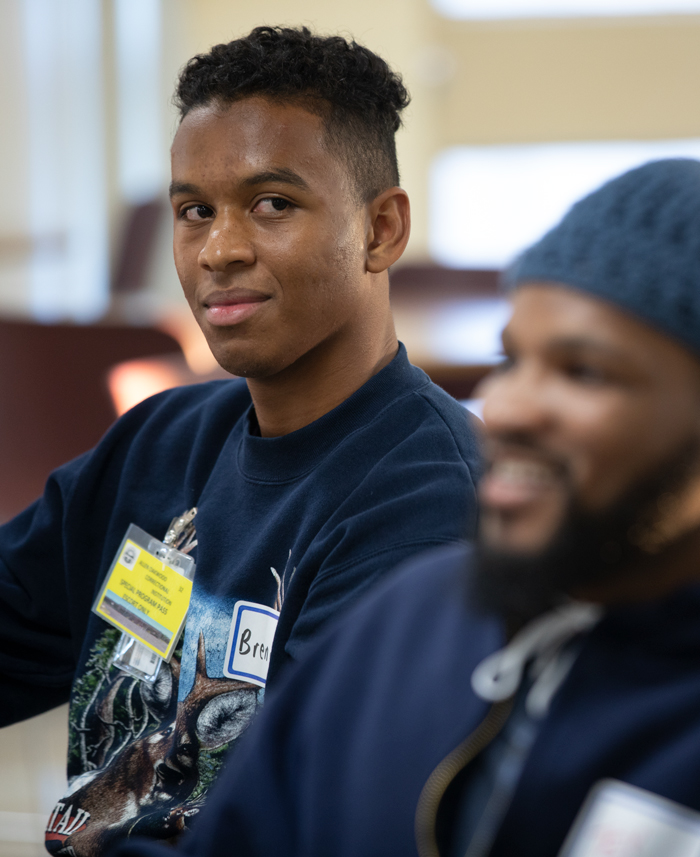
(147, 591)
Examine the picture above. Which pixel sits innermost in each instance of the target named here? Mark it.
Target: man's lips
(513, 482)
(228, 308)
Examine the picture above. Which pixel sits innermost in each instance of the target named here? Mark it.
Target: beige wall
(14, 213)
(594, 80)
(471, 83)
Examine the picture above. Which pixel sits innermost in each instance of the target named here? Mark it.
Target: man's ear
(389, 216)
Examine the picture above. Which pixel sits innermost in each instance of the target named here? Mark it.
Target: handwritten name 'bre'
(245, 647)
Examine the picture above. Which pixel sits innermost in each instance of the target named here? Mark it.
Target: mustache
(500, 444)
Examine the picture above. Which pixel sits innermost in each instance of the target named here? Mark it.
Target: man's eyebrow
(183, 187)
(585, 343)
(282, 175)
(574, 344)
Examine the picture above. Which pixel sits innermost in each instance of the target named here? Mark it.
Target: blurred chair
(54, 399)
(449, 319)
(137, 245)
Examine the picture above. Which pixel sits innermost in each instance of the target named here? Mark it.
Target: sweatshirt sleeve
(54, 554)
(37, 654)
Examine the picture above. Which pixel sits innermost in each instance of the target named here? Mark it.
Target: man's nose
(517, 401)
(227, 244)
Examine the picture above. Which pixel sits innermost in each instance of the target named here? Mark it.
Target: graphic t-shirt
(300, 524)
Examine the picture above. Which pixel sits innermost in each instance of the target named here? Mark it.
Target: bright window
(139, 98)
(68, 169)
(489, 202)
(69, 268)
(495, 9)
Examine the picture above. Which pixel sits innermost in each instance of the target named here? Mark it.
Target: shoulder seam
(449, 429)
(337, 569)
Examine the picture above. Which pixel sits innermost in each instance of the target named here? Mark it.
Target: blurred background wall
(509, 115)
(85, 99)
(87, 119)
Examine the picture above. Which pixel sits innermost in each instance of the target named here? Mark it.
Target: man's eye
(196, 212)
(586, 373)
(271, 204)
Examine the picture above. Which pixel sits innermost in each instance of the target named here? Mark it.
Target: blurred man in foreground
(473, 703)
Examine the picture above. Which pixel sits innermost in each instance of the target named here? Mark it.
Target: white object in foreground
(619, 820)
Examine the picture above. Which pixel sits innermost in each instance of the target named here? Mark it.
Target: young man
(470, 706)
(337, 459)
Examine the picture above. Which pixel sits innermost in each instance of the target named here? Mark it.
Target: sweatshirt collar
(286, 458)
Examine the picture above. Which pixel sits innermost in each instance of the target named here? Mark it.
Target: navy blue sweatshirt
(330, 508)
(336, 762)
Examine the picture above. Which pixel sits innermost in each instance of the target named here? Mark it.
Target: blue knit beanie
(634, 242)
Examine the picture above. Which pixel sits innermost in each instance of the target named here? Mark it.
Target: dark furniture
(54, 401)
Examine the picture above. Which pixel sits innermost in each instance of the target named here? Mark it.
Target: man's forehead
(252, 140)
(559, 310)
(250, 122)
(557, 317)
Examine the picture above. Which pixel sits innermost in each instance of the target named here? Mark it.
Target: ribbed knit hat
(634, 242)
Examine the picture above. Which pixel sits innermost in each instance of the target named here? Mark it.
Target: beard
(587, 548)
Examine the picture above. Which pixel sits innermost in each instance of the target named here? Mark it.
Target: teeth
(519, 470)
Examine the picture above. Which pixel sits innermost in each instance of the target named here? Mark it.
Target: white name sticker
(253, 629)
(619, 820)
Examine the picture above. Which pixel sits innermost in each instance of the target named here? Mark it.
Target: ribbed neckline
(283, 459)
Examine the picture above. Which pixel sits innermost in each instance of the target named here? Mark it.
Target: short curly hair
(354, 91)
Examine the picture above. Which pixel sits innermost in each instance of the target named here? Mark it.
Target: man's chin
(243, 363)
(514, 585)
(585, 550)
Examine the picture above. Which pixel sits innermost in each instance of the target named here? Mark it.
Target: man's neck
(318, 382)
